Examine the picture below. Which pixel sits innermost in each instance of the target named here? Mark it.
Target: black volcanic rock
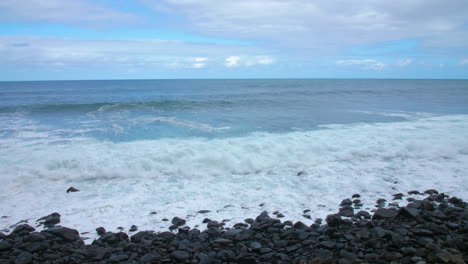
(72, 189)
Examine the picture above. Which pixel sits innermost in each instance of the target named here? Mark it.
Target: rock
(23, 229)
(4, 245)
(64, 232)
(327, 244)
(178, 221)
(414, 192)
(333, 220)
(431, 191)
(383, 213)
(72, 189)
(300, 225)
(203, 211)
(118, 257)
(180, 255)
(249, 221)
(49, 220)
(408, 211)
(346, 202)
(133, 228)
(398, 196)
(263, 217)
(356, 195)
(255, 245)
(150, 257)
(24, 258)
(100, 231)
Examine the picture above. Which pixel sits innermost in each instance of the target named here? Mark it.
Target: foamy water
(235, 176)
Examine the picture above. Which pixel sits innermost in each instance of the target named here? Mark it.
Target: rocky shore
(431, 228)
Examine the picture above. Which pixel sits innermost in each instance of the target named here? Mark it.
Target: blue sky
(152, 39)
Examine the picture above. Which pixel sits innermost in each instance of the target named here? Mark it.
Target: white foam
(121, 183)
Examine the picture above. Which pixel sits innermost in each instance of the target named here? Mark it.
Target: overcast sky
(153, 39)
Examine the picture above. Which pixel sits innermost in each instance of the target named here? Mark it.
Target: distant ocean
(234, 147)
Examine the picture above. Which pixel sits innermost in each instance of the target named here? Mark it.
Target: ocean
(140, 151)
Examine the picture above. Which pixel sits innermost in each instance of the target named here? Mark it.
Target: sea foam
(121, 183)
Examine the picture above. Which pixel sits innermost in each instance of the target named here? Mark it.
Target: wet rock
(24, 258)
(383, 213)
(49, 220)
(23, 229)
(413, 192)
(300, 225)
(178, 221)
(72, 189)
(100, 231)
(398, 196)
(203, 211)
(133, 228)
(255, 245)
(333, 220)
(64, 232)
(4, 245)
(180, 255)
(346, 202)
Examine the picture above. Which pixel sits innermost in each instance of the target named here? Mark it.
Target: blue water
(178, 146)
(151, 109)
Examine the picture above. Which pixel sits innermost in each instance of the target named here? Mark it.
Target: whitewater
(144, 151)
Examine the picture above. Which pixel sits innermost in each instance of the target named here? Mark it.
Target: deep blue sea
(178, 146)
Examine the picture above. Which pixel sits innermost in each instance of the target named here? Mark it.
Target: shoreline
(430, 229)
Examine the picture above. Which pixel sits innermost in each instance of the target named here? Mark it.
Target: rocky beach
(431, 228)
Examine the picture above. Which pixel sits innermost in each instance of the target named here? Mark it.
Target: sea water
(140, 151)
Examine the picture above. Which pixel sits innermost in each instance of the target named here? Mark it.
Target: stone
(203, 211)
(327, 244)
(300, 225)
(133, 228)
(255, 245)
(4, 245)
(383, 213)
(333, 220)
(72, 189)
(100, 231)
(398, 196)
(23, 229)
(346, 202)
(66, 233)
(24, 258)
(178, 221)
(263, 217)
(180, 255)
(408, 211)
(150, 257)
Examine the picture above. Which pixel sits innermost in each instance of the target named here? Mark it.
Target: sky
(184, 39)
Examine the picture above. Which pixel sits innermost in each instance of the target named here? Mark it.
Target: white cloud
(366, 64)
(76, 12)
(404, 62)
(232, 61)
(464, 62)
(314, 24)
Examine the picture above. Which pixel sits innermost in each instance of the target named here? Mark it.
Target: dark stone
(346, 211)
(333, 220)
(414, 192)
(255, 245)
(24, 258)
(383, 213)
(431, 191)
(263, 217)
(327, 244)
(23, 229)
(279, 215)
(4, 245)
(150, 257)
(49, 220)
(118, 257)
(72, 189)
(455, 200)
(203, 211)
(64, 232)
(249, 221)
(356, 195)
(408, 211)
(206, 220)
(180, 255)
(133, 228)
(100, 231)
(178, 221)
(398, 196)
(346, 202)
(300, 225)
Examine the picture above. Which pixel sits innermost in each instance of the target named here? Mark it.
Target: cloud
(75, 12)
(235, 61)
(464, 62)
(26, 51)
(314, 24)
(232, 61)
(366, 64)
(404, 62)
